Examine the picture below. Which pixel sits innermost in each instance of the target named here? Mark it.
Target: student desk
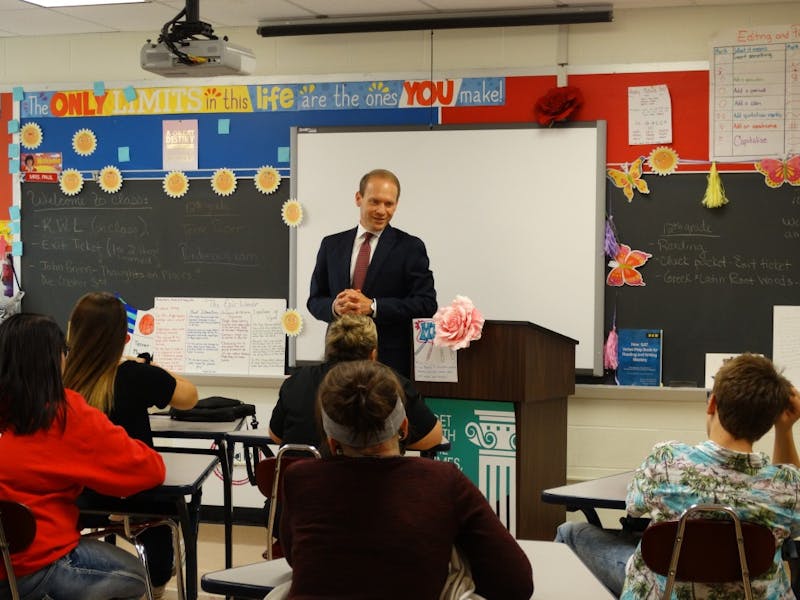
(163, 426)
(186, 474)
(586, 496)
(557, 574)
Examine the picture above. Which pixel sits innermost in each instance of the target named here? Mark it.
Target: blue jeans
(94, 570)
(604, 552)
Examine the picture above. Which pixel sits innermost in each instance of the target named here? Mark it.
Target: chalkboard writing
(715, 274)
(140, 244)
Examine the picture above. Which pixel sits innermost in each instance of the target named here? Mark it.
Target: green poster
(483, 443)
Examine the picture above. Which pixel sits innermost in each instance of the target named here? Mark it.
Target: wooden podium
(533, 367)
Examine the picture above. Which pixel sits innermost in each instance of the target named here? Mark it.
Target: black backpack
(216, 409)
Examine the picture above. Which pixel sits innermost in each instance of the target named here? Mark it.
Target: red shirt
(47, 471)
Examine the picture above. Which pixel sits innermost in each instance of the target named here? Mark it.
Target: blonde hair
(350, 337)
(96, 335)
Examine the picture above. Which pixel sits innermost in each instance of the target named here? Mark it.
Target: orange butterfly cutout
(623, 267)
(628, 178)
(776, 171)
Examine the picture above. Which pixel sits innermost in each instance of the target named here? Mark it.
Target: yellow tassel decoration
(715, 193)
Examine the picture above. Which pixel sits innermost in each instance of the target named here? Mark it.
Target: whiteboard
(512, 216)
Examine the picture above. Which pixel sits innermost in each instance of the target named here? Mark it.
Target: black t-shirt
(293, 419)
(137, 387)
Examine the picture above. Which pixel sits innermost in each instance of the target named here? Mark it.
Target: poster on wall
(40, 166)
(755, 93)
(179, 145)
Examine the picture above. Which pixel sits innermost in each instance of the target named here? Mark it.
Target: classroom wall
(610, 428)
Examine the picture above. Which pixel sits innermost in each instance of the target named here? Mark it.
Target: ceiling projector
(197, 58)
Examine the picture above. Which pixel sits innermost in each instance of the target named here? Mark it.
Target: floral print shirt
(677, 475)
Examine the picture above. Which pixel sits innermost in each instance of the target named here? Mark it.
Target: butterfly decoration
(777, 171)
(629, 178)
(624, 265)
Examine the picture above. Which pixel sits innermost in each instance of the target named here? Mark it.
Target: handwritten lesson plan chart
(755, 94)
(220, 336)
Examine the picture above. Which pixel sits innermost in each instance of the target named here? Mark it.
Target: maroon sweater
(360, 528)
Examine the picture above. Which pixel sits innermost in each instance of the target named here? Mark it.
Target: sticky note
(283, 154)
(13, 166)
(14, 227)
(18, 93)
(130, 93)
(16, 249)
(13, 213)
(13, 126)
(223, 126)
(123, 154)
(13, 150)
(99, 88)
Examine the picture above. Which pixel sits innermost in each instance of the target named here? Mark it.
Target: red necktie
(362, 262)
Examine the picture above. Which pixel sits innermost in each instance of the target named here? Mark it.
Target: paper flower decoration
(71, 182)
(663, 160)
(557, 105)
(223, 182)
(776, 171)
(292, 213)
(84, 142)
(30, 136)
(267, 180)
(629, 178)
(110, 179)
(715, 193)
(176, 184)
(291, 322)
(623, 267)
(458, 324)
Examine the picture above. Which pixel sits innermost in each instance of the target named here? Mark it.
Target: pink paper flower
(458, 324)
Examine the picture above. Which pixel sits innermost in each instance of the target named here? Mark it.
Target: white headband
(346, 436)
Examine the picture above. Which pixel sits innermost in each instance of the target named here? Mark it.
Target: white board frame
(513, 216)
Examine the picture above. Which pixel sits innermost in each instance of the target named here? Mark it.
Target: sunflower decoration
(71, 182)
(84, 142)
(663, 160)
(292, 322)
(30, 136)
(176, 184)
(110, 179)
(267, 180)
(223, 182)
(292, 213)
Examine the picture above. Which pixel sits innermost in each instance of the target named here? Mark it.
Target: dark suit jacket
(398, 278)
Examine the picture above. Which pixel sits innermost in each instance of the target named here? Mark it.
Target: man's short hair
(350, 337)
(379, 174)
(750, 395)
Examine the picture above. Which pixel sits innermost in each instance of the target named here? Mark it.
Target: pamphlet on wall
(639, 353)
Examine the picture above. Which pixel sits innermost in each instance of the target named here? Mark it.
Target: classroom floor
(249, 543)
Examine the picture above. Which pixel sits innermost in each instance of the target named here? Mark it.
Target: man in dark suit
(375, 270)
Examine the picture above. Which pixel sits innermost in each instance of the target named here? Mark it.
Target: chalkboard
(715, 274)
(140, 243)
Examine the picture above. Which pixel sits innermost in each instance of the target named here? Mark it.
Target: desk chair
(258, 579)
(17, 530)
(708, 550)
(131, 530)
(268, 479)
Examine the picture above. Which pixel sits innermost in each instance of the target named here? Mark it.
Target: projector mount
(175, 32)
